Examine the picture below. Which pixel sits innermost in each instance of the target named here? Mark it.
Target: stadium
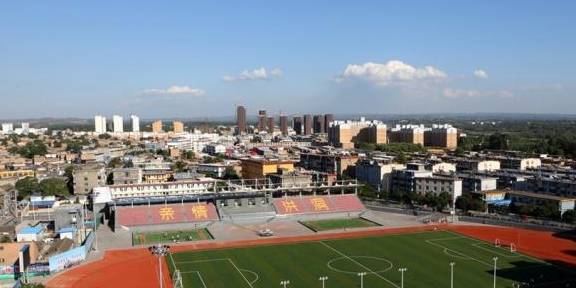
(260, 234)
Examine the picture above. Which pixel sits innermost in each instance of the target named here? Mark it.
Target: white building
(105, 194)
(213, 170)
(444, 167)
(118, 124)
(7, 128)
(25, 125)
(28, 233)
(135, 123)
(99, 124)
(215, 149)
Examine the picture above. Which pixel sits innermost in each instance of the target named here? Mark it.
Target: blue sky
(200, 58)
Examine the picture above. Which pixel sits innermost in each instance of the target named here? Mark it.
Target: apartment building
(346, 134)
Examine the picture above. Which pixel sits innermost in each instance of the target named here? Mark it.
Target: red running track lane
(539, 244)
(137, 268)
(132, 268)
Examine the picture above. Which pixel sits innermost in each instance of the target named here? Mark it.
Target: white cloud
(463, 93)
(256, 74)
(391, 72)
(174, 90)
(479, 73)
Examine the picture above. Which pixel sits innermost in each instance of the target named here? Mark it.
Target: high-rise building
(25, 125)
(118, 124)
(307, 124)
(318, 124)
(261, 120)
(178, 127)
(7, 127)
(241, 119)
(157, 126)
(328, 118)
(135, 123)
(298, 125)
(270, 125)
(284, 124)
(99, 124)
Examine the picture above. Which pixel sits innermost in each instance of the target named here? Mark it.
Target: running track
(137, 268)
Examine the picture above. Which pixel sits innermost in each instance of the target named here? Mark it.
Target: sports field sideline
(426, 256)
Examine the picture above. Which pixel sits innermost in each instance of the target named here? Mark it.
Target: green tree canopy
(27, 186)
(54, 187)
(31, 149)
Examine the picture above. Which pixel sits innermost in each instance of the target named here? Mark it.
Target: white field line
(202, 261)
(480, 246)
(248, 282)
(463, 254)
(253, 273)
(524, 255)
(358, 263)
(543, 263)
(199, 276)
(172, 261)
(214, 260)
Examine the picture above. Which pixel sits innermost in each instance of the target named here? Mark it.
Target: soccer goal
(505, 245)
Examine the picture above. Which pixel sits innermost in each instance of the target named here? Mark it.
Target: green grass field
(148, 238)
(333, 224)
(425, 255)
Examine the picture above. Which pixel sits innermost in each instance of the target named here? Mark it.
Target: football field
(169, 237)
(425, 256)
(333, 224)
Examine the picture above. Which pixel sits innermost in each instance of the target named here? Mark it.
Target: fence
(71, 257)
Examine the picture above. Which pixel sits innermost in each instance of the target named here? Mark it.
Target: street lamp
(160, 251)
(323, 279)
(495, 267)
(285, 283)
(452, 274)
(361, 275)
(402, 270)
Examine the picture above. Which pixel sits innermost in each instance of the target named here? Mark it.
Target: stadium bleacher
(166, 214)
(318, 204)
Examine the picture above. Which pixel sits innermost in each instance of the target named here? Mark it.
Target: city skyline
(363, 58)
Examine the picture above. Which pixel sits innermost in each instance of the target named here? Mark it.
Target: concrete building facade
(87, 177)
(118, 122)
(241, 120)
(157, 126)
(99, 124)
(135, 123)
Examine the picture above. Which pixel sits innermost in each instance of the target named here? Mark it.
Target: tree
(467, 202)
(179, 166)
(401, 158)
(442, 201)
(104, 136)
(569, 216)
(188, 155)
(31, 149)
(75, 145)
(115, 162)
(230, 174)
(69, 173)
(27, 186)
(498, 141)
(367, 191)
(54, 187)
